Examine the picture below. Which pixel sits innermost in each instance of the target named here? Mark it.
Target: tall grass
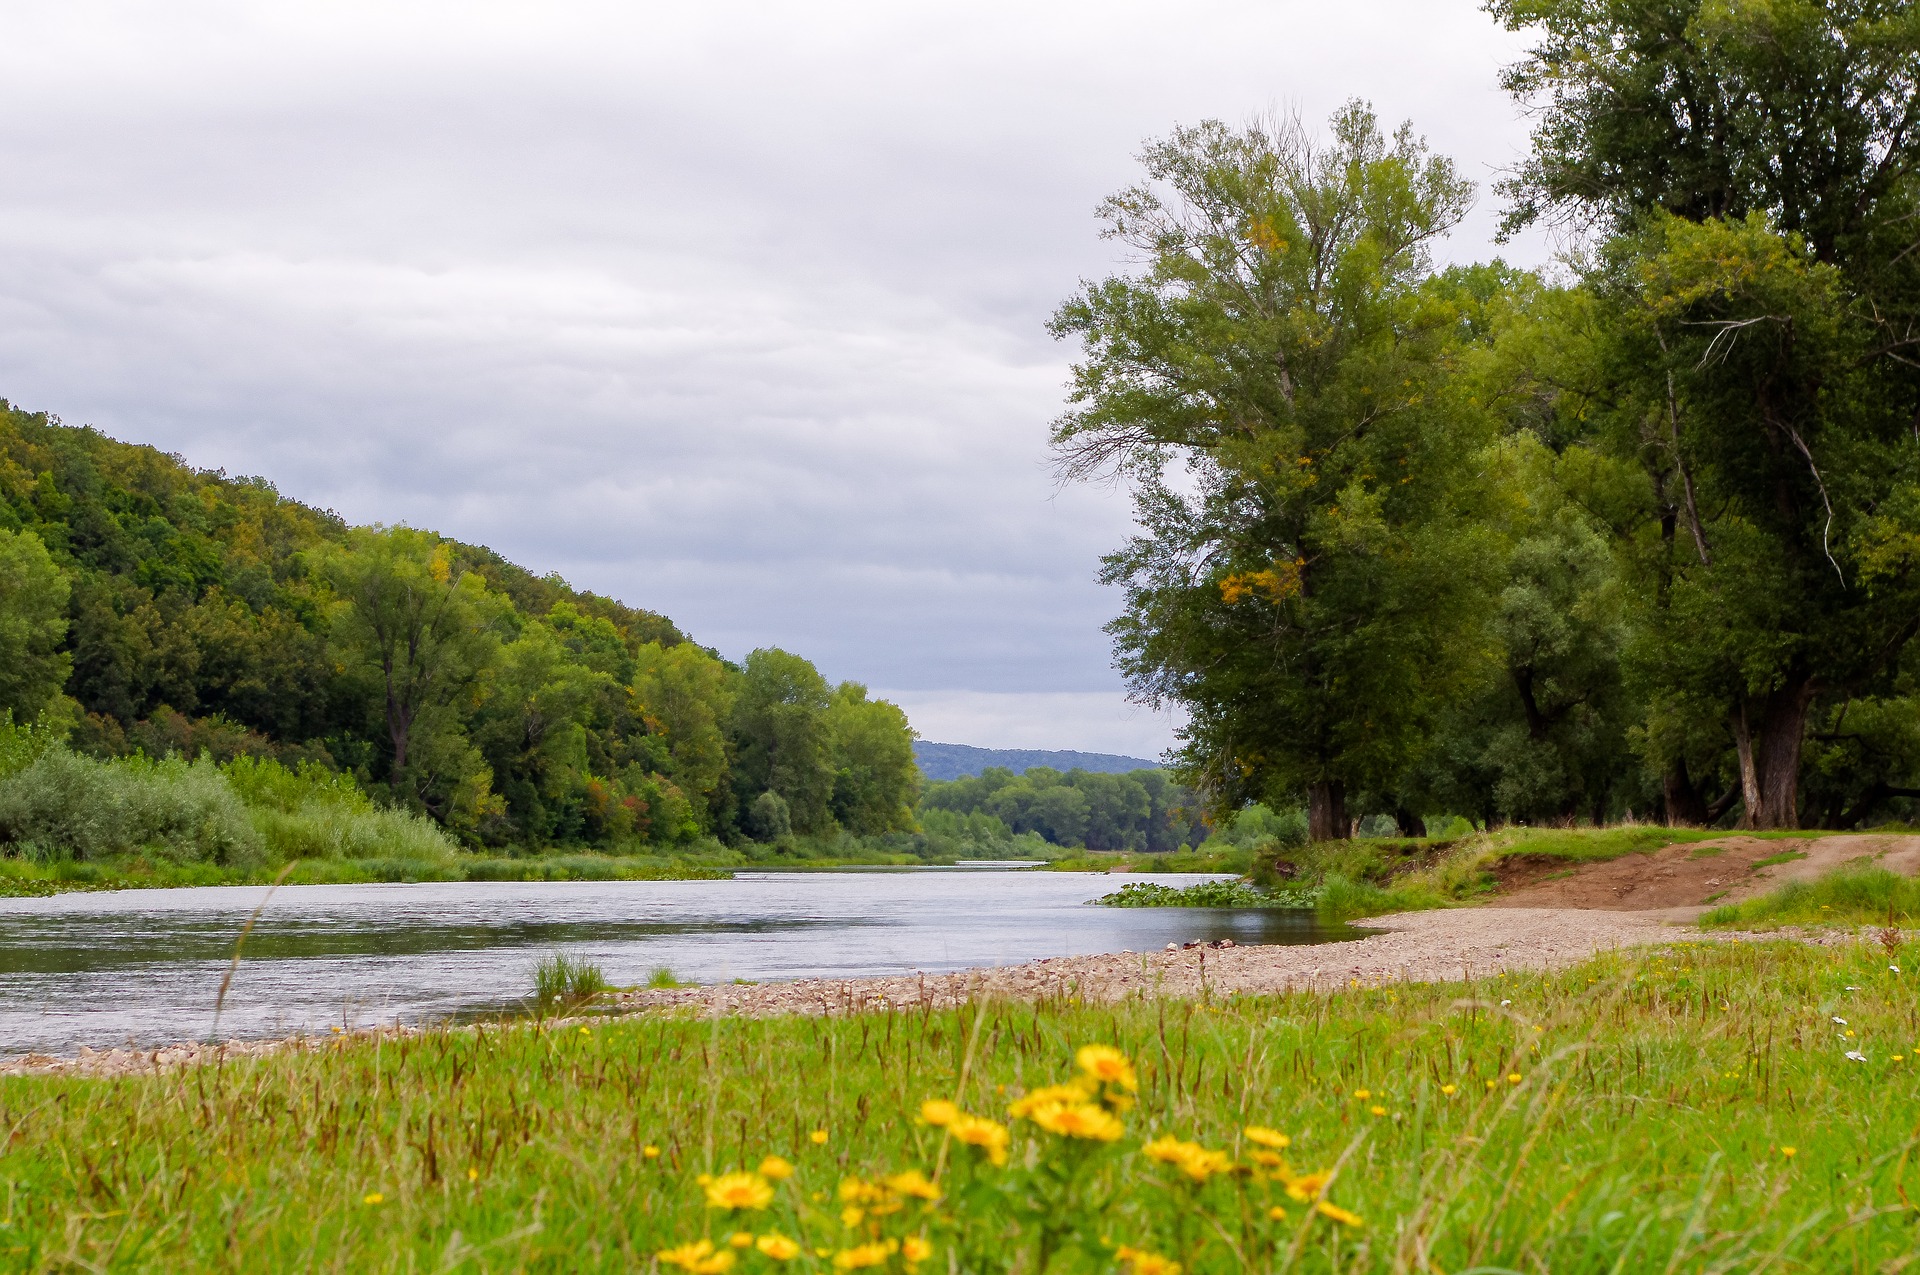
(1848, 896)
(1695, 1111)
(562, 981)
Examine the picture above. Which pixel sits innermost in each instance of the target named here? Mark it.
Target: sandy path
(1696, 874)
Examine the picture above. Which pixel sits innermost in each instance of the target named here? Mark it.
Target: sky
(735, 311)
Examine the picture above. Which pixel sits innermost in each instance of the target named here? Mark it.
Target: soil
(1681, 881)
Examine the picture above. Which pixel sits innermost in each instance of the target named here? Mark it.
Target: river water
(144, 967)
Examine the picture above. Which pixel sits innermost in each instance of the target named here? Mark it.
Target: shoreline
(1447, 945)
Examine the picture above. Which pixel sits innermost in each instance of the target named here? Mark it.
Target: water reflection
(144, 966)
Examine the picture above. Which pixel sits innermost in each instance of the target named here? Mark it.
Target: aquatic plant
(564, 982)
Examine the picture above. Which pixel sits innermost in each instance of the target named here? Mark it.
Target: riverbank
(1687, 1106)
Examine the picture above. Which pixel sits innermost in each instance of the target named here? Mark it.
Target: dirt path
(1681, 881)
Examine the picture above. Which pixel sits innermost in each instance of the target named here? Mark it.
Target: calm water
(144, 966)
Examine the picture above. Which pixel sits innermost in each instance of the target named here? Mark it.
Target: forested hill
(149, 606)
(963, 761)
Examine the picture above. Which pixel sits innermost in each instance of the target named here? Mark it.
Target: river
(144, 967)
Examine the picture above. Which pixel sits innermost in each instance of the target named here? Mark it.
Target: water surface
(145, 966)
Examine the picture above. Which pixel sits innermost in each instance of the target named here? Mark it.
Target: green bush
(66, 806)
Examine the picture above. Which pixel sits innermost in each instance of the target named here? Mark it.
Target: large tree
(1273, 382)
(1759, 333)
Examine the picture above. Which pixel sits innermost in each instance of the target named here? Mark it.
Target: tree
(1273, 382)
(876, 781)
(686, 695)
(33, 625)
(781, 740)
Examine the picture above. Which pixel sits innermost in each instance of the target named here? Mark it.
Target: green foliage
(1675, 1080)
(1850, 896)
(566, 982)
(1143, 810)
(67, 806)
(1206, 894)
(34, 667)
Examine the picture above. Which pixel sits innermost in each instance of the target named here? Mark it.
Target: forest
(151, 610)
(1633, 536)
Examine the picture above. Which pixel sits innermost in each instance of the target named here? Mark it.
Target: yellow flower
(1378, 1111)
(915, 1250)
(1268, 1137)
(1789, 1152)
(938, 1112)
(777, 1246)
(473, 1174)
(1079, 1120)
(1308, 1186)
(1338, 1214)
(373, 1197)
(1190, 1158)
(775, 1168)
(1107, 1065)
(1363, 1093)
(914, 1183)
(978, 1131)
(650, 1151)
(739, 1191)
(1449, 1090)
(1513, 1077)
(741, 1239)
(853, 1259)
(818, 1137)
(852, 1215)
(698, 1258)
(1145, 1263)
(1277, 1214)
(1267, 1159)
(1046, 1096)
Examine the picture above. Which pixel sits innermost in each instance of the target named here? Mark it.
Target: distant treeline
(1140, 810)
(150, 608)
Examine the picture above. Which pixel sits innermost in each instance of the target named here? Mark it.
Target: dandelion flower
(1265, 1137)
(1449, 1090)
(1338, 1214)
(1024, 1106)
(777, 1246)
(1276, 1214)
(1378, 1111)
(915, 1250)
(373, 1197)
(739, 1191)
(914, 1183)
(1513, 1077)
(818, 1137)
(1144, 1263)
(1308, 1186)
(776, 1168)
(698, 1258)
(1492, 1083)
(1107, 1065)
(1363, 1094)
(473, 1174)
(741, 1239)
(852, 1215)
(1789, 1152)
(1079, 1120)
(938, 1112)
(650, 1151)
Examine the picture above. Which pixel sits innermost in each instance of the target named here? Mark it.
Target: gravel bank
(1409, 947)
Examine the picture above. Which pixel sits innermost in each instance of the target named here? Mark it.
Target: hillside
(150, 607)
(963, 761)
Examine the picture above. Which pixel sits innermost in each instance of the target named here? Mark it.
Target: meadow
(1710, 1107)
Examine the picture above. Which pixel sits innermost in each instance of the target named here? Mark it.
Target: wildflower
(818, 1137)
(1265, 1137)
(1449, 1090)
(1841, 1021)
(586, 1031)
(914, 1183)
(938, 1112)
(1276, 1214)
(1898, 1057)
(1145, 1263)
(373, 1197)
(1363, 1094)
(1338, 1214)
(1267, 1159)
(1107, 1065)
(1308, 1186)
(977, 1131)
(1513, 1077)
(776, 1169)
(1378, 1111)
(741, 1239)
(777, 1246)
(1789, 1152)
(915, 1250)
(1046, 1096)
(852, 1215)
(1849, 1031)
(1854, 1055)
(650, 1151)
(697, 1258)
(860, 1256)
(1190, 1158)
(739, 1191)
(1492, 1083)
(1079, 1120)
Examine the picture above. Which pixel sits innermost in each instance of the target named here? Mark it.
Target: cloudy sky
(731, 310)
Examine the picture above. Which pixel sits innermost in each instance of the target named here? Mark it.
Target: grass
(1849, 896)
(27, 877)
(564, 982)
(1692, 1111)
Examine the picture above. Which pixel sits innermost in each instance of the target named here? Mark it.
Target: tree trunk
(1684, 805)
(1327, 811)
(1410, 824)
(1770, 759)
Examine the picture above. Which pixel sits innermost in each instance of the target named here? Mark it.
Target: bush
(65, 806)
(310, 812)
(1207, 894)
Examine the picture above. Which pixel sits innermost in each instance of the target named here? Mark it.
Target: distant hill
(963, 761)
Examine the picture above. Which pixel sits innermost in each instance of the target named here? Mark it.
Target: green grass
(1849, 896)
(1647, 1131)
(25, 877)
(1207, 894)
(1236, 861)
(565, 982)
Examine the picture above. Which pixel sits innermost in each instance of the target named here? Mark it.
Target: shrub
(310, 812)
(66, 806)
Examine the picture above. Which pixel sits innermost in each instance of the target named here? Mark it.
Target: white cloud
(733, 310)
